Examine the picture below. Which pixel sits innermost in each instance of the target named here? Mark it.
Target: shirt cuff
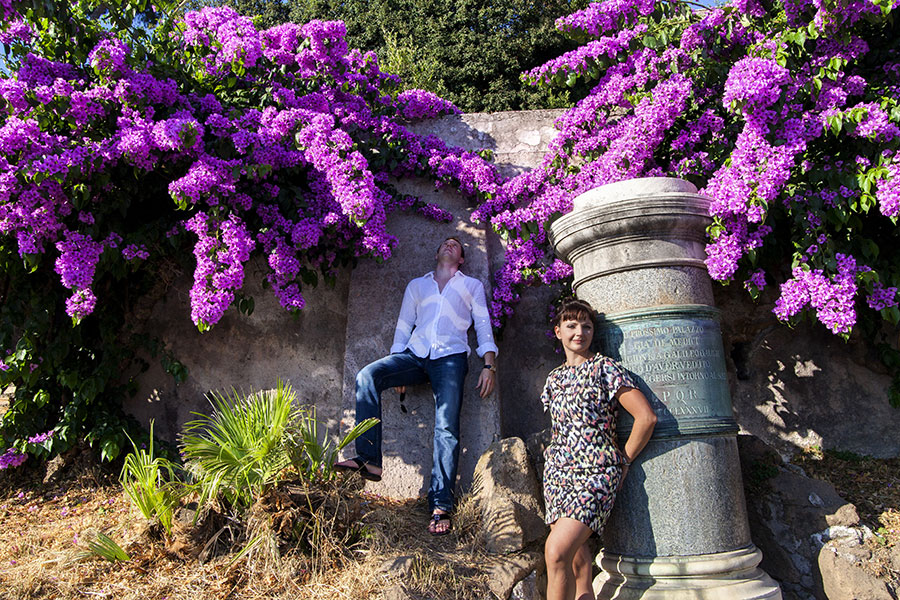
(488, 347)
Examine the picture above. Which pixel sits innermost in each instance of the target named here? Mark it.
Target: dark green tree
(470, 52)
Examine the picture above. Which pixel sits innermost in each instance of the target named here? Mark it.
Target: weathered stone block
(843, 577)
(510, 497)
(506, 573)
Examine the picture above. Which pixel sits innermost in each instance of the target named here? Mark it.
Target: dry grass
(45, 529)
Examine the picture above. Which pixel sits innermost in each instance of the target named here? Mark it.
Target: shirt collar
(430, 274)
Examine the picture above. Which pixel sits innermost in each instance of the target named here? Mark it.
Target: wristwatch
(493, 368)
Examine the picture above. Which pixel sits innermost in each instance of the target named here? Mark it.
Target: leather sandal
(358, 467)
(437, 518)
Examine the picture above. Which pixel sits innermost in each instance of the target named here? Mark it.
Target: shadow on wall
(407, 441)
(245, 352)
(802, 387)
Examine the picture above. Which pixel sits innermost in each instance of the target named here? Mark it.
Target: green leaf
(104, 547)
(32, 262)
(869, 248)
(109, 449)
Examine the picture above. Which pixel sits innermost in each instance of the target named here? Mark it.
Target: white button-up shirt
(434, 323)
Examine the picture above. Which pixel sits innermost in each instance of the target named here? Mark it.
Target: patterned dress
(583, 464)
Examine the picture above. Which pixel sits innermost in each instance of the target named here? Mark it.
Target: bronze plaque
(676, 357)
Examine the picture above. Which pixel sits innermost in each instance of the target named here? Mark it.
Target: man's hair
(458, 241)
(573, 309)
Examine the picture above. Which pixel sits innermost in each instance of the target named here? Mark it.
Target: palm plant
(106, 548)
(312, 455)
(239, 450)
(144, 480)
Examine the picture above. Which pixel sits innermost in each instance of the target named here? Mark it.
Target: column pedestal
(721, 576)
(679, 527)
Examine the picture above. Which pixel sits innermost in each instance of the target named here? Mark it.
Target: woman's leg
(566, 538)
(581, 565)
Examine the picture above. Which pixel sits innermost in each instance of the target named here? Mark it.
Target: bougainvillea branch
(784, 114)
(141, 139)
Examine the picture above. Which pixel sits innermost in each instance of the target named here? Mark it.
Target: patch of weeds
(106, 548)
(758, 474)
(846, 456)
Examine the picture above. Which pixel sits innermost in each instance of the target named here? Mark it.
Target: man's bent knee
(365, 378)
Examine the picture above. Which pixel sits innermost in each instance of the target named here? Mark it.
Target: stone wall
(245, 352)
(804, 387)
(791, 388)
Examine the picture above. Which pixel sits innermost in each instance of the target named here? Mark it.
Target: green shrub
(313, 455)
(143, 479)
(238, 452)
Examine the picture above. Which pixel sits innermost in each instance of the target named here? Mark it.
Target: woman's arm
(634, 401)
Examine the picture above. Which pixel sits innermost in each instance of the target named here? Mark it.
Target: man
(430, 344)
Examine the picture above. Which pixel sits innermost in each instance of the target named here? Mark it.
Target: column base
(722, 576)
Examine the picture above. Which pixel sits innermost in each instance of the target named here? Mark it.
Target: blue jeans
(447, 375)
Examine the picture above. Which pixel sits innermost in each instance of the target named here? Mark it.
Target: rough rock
(537, 443)
(510, 498)
(399, 566)
(843, 577)
(396, 592)
(791, 517)
(75, 460)
(506, 573)
(53, 468)
(527, 589)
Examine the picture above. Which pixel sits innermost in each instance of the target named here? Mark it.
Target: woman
(584, 467)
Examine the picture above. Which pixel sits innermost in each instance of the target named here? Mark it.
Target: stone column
(679, 529)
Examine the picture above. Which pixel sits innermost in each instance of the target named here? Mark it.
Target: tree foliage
(469, 52)
(785, 114)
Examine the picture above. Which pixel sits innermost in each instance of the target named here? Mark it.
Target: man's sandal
(437, 518)
(358, 467)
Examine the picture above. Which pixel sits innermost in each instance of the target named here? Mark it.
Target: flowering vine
(786, 116)
(200, 141)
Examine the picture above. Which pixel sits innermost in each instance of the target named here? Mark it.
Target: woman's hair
(573, 309)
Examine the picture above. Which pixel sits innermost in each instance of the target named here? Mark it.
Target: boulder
(537, 443)
(527, 588)
(396, 592)
(508, 493)
(844, 578)
(398, 566)
(791, 517)
(507, 572)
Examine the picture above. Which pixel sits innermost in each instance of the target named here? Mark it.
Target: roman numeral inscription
(676, 358)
